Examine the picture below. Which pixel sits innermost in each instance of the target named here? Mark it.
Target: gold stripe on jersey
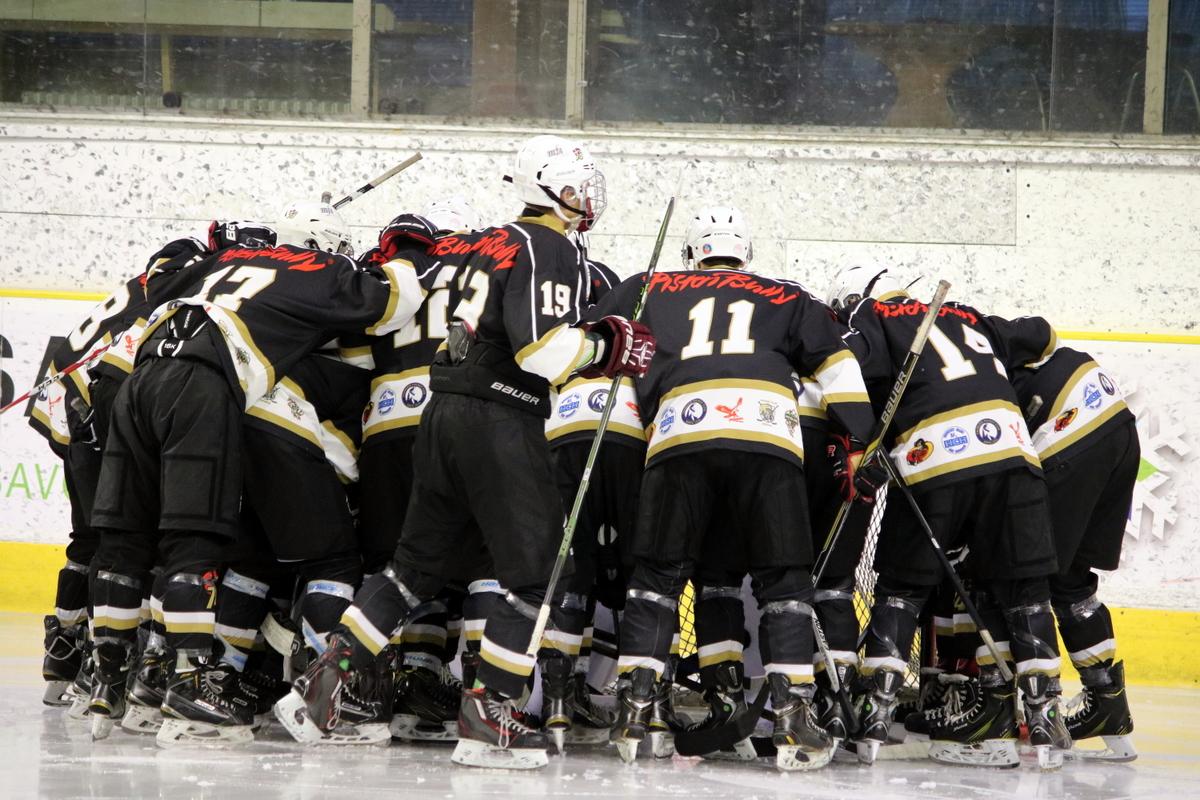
(356, 356)
(1075, 420)
(340, 452)
(728, 409)
(287, 407)
(989, 432)
(1051, 346)
(122, 354)
(724, 383)
(725, 433)
(590, 425)
(841, 380)
(579, 413)
(405, 296)
(811, 402)
(555, 355)
(379, 414)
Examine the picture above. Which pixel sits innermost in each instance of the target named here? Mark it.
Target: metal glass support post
(576, 60)
(360, 58)
(1156, 66)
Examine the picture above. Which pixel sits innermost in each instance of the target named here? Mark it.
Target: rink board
(1160, 564)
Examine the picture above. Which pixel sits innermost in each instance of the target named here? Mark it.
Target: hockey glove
(406, 232)
(855, 481)
(84, 431)
(625, 348)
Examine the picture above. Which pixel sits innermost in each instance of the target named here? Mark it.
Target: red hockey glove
(855, 481)
(406, 232)
(628, 348)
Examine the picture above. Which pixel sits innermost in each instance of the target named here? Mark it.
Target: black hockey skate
(664, 722)
(726, 700)
(207, 705)
(875, 712)
(590, 724)
(107, 702)
(334, 704)
(983, 735)
(491, 735)
(80, 690)
(635, 705)
(830, 714)
(555, 668)
(1048, 734)
(143, 712)
(63, 659)
(800, 741)
(945, 695)
(264, 691)
(426, 706)
(1102, 709)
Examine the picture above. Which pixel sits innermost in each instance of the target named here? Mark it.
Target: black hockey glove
(625, 348)
(855, 481)
(406, 232)
(84, 431)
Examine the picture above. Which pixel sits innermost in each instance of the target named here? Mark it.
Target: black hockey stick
(543, 617)
(711, 740)
(374, 182)
(981, 628)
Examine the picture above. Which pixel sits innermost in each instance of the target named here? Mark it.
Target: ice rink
(46, 754)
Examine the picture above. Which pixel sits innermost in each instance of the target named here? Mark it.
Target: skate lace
(448, 690)
(955, 693)
(510, 727)
(1079, 705)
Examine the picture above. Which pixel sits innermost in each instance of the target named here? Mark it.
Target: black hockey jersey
(1077, 404)
(580, 402)
(274, 306)
(729, 343)
(522, 288)
(959, 416)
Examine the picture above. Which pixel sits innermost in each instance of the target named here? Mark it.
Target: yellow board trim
(46, 294)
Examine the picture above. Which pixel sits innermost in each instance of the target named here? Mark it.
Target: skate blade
(80, 708)
(1049, 758)
(989, 753)
(101, 727)
(581, 735)
(57, 693)
(471, 753)
(742, 751)
(662, 744)
(261, 722)
(141, 719)
(292, 714)
(867, 750)
(410, 728)
(182, 732)
(915, 749)
(793, 758)
(559, 736)
(897, 733)
(627, 749)
(1117, 749)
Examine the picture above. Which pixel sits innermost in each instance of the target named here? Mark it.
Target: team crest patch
(1064, 420)
(1107, 385)
(766, 412)
(988, 431)
(597, 399)
(920, 451)
(732, 413)
(387, 401)
(295, 408)
(1091, 396)
(955, 439)
(792, 420)
(367, 411)
(414, 395)
(667, 419)
(568, 405)
(694, 412)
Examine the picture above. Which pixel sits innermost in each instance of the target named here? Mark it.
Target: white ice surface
(45, 754)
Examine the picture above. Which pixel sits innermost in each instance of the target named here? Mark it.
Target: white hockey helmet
(717, 232)
(315, 225)
(547, 167)
(452, 214)
(852, 284)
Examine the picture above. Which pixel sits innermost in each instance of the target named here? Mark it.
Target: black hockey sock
(321, 606)
(71, 599)
(453, 598)
(189, 613)
(893, 626)
(834, 605)
(239, 616)
(482, 596)
(568, 617)
(378, 609)
(423, 637)
(158, 627)
(720, 630)
(504, 664)
(1087, 631)
(651, 619)
(118, 603)
(785, 596)
(997, 625)
(1033, 638)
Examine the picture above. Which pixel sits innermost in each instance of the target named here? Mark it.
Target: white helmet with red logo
(560, 173)
(315, 225)
(452, 214)
(852, 284)
(719, 232)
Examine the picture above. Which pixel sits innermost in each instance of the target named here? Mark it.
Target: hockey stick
(374, 182)
(543, 617)
(58, 376)
(712, 740)
(984, 633)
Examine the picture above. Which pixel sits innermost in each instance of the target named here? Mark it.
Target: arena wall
(1101, 237)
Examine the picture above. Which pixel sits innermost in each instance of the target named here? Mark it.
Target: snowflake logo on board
(1163, 452)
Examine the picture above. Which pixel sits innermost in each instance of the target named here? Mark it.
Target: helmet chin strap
(560, 204)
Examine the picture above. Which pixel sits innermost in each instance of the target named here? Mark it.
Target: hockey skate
(830, 714)
(143, 712)
(80, 690)
(945, 695)
(426, 706)
(875, 713)
(107, 702)
(1048, 736)
(1102, 709)
(664, 722)
(333, 704)
(63, 659)
(207, 705)
(635, 705)
(800, 742)
(555, 668)
(591, 724)
(726, 700)
(490, 735)
(984, 735)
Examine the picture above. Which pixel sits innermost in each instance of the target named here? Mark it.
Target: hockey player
(171, 477)
(719, 393)
(1087, 441)
(963, 447)
(481, 461)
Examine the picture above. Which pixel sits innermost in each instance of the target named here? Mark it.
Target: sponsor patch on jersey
(667, 420)
(732, 413)
(920, 451)
(413, 395)
(766, 412)
(387, 401)
(568, 405)
(1064, 420)
(694, 411)
(988, 431)
(633, 407)
(792, 419)
(597, 399)
(1107, 385)
(367, 411)
(955, 439)
(1016, 428)
(1091, 396)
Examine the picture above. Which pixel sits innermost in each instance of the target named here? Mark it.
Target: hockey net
(864, 597)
